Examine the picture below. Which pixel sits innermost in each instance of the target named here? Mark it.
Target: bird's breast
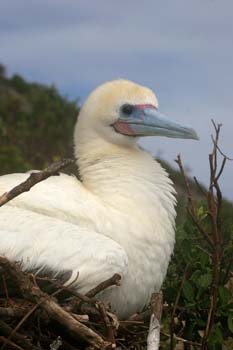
(144, 227)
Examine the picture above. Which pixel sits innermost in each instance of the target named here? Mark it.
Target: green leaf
(224, 295)
(196, 274)
(230, 322)
(205, 280)
(202, 213)
(216, 338)
(188, 291)
(201, 323)
(204, 258)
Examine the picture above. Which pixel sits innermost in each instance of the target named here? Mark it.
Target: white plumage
(119, 219)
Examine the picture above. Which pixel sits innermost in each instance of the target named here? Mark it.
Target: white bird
(119, 219)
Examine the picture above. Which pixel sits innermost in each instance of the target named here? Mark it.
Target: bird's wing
(40, 242)
(62, 196)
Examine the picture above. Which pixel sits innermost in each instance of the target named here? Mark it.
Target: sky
(181, 49)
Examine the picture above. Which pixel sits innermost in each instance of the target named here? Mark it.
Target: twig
(221, 169)
(176, 305)
(27, 315)
(32, 292)
(13, 312)
(141, 317)
(21, 340)
(191, 205)
(33, 179)
(11, 335)
(7, 312)
(214, 204)
(83, 302)
(214, 237)
(215, 140)
(114, 280)
(5, 287)
(153, 338)
(157, 305)
(185, 341)
(11, 343)
(108, 325)
(199, 186)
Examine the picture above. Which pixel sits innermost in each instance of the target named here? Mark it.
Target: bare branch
(108, 324)
(17, 338)
(33, 179)
(216, 127)
(221, 169)
(214, 238)
(10, 343)
(153, 338)
(216, 138)
(32, 293)
(157, 305)
(184, 277)
(114, 280)
(191, 204)
(185, 341)
(199, 186)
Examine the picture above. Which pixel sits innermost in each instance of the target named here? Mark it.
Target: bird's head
(120, 111)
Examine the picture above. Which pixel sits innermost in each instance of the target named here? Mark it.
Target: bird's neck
(125, 176)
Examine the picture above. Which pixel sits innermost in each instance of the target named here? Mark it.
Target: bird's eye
(127, 109)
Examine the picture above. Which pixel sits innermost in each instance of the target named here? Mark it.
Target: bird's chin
(124, 129)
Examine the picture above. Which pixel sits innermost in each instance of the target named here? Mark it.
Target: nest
(38, 313)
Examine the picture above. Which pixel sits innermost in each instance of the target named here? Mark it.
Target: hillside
(36, 124)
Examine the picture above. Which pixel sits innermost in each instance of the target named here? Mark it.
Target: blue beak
(145, 120)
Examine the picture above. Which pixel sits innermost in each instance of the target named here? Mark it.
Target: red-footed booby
(119, 219)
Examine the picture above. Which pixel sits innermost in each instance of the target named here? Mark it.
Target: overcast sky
(181, 49)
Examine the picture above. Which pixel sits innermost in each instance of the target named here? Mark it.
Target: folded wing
(40, 242)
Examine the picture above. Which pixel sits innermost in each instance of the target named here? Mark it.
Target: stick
(10, 343)
(114, 280)
(153, 338)
(108, 324)
(191, 205)
(19, 339)
(33, 293)
(33, 179)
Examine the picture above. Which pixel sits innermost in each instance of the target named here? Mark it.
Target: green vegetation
(199, 284)
(36, 124)
(191, 273)
(36, 127)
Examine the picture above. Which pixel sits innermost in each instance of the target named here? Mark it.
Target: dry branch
(214, 238)
(32, 292)
(31, 316)
(182, 340)
(191, 208)
(172, 335)
(17, 338)
(13, 311)
(10, 343)
(87, 303)
(153, 339)
(33, 179)
(114, 280)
